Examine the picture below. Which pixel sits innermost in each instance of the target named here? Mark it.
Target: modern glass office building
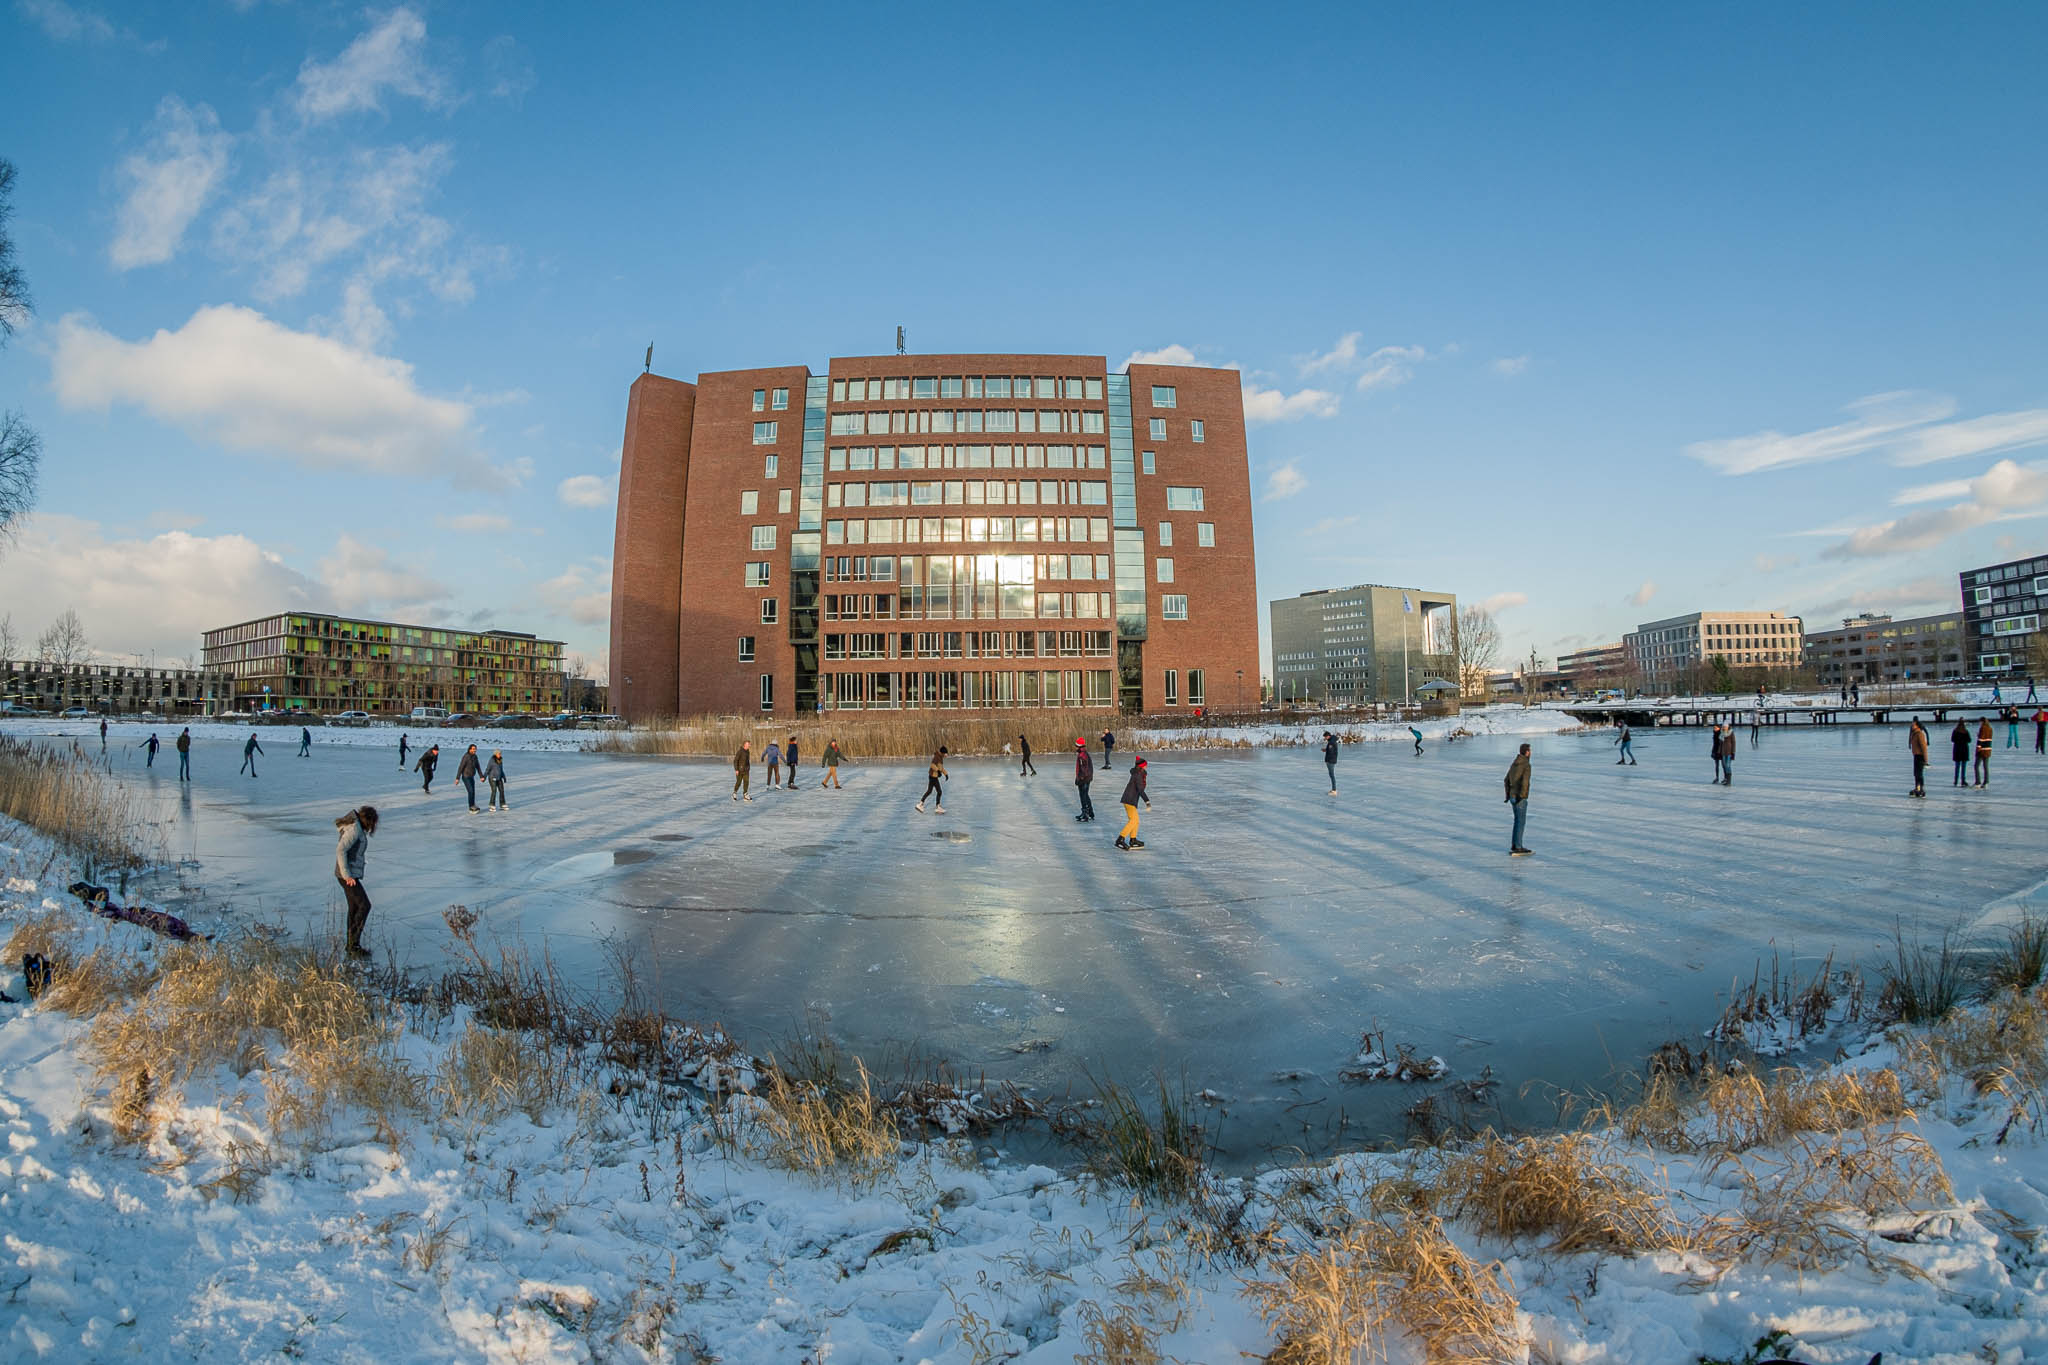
(333, 663)
(2002, 616)
(1366, 643)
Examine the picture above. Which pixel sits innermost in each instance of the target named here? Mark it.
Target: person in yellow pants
(1134, 792)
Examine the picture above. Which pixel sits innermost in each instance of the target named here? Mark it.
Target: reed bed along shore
(885, 734)
(68, 797)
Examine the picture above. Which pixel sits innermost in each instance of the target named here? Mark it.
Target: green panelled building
(331, 663)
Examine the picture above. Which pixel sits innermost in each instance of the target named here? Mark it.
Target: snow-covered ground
(1487, 720)
(599, 1230)
(126, 736)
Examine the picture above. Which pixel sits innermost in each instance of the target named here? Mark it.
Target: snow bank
(1492, 720)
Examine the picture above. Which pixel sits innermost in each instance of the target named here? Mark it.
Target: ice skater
(351, 850)
(1418, 740)
(1959, 750)
(1134, 792)
(1330, 759)
(149, 748)
(743, 771)
(1516, 786)
(424, 765)
(1024, 747)
(305, 742)
(1756, 722)
(466, 773)
(772, 756)
(2012, 727)
(789, 759)
(1084, 774)
(2041, 731)
(2031, 696)
(494, 777)
(1728, 757)
(1916, 743)
(932, 775)
(833, 758)
(1984, 753)
(249, 752)
(1108, 747)
(185, 754)
(401, 751)
(1996, 697)
(103, 734)
(1626, 741)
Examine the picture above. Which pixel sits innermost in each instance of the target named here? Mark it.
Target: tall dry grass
(870, 734)
(70, 799)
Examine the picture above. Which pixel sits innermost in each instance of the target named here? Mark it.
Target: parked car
(602, 722)
(351, 718)
(514, 720)
(77, 712)
(15, 708)
(562, 720)
(462, 720)
(426, 715)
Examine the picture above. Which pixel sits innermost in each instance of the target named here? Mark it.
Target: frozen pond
(1266, 925)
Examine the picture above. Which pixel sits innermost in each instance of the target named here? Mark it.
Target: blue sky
(1596, 313)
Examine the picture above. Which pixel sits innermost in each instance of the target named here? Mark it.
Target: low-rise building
(113, 689)
(1674, 649)
(1367, 643)
(1594, 665)
(1874, 648)
(333, 663)
(2002, 616)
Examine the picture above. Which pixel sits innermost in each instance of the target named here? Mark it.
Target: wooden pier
(1698, 714)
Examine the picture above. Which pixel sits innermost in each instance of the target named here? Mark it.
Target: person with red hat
(1134, 792)
(1084, 773)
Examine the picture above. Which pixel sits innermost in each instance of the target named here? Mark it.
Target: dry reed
(1572, 1191)
(71, 800)
(869, 735)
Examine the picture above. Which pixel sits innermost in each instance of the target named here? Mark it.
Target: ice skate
(920, 808)
(1121, 842)
(1136, 843)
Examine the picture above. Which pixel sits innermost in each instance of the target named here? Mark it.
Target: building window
(769, 611)
(757, 574)
(746, 649)
(769, 465)
(1183, 499)
(1173, 687)
(1163, 396)
(782, 497)
(1166, 533)
(1205, 534)
(1195, 432)
(1157, 429)
(924, 388)
(781, 400)
(764, 433)
(764, 538)
(1150, 463)
(1197, 694)
(1173, 606)
(760, 399)
(750, 503)
(1163, 569)
(767, 691)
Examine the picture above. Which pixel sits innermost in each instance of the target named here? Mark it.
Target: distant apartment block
(2002, 616)
(333, 663)
(116, 689)
(934, 532)
(1366, 643)
(1595, 664)
(1664, 651)
(1874, 648)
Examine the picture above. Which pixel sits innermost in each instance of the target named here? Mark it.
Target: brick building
(964, 531)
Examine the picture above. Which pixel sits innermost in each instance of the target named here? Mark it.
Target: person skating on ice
(494, 778)
(1084, 775)
(1027, 769)
(789, 762)
(772, 756)
(1516, 787)
(350, 852)
(743, 771)
(424, 765)
(932, 789)
(1916, 744)
(305, 742)
(1984, 742)
(185, 754)
(1959, 751)
(1330, 759)
(1418, 740)
(1108, 748)
(401, 750)
(249, 753)
(1626, 740)
(2041, 731)
(466, 773)
(1134, 792)
(833, 758)
(149, 748)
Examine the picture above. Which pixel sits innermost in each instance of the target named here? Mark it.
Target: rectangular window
(769, 611)
(839, 390)
(1195, 431)
(767, 691)
(782, 497)
(1166, 533)
(781, 400)
(1174, 606)
(769, 464)
(764, 433)
(1043, 387)
(764, 538)
(1183, 499)
(750, 503)
(1164, 396)
(1205, 534)
(1157, 429)
(1163, 570)
(1198, 695)
(746, 649)
(1151, 466)
(924, 388)
(1173, 687)
(760, 399)
(1091, 388)
(1091, 422)
(757, 573)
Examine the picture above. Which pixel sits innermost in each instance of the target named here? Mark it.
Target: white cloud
(1329, 524)
(1285, 482)
(1271, 405)
(359, 577)
(1502, 601)
(1931, 492)
(475, 522)
(2002, 492)
(233, 376)
(509, 67)
(66, 23)
(1642, 595)
(1773, 563)
(1338, 357)
(1390, 367)
(1994, 434)
(1511, 364)
(1935, 592)
(1879, 420)
(581, 592)
(1175, 354)
(389, 56)
(168, 183)
(584, 490)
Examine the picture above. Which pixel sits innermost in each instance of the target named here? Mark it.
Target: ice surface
(1262, 930)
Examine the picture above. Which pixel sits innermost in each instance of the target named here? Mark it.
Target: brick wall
(647, 546)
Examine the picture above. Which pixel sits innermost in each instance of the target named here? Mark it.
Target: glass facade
(331, 663)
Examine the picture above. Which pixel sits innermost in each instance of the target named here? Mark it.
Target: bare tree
(1475, 648)
(21, 449)
(10, 642)
(64, 643)
(15, 304)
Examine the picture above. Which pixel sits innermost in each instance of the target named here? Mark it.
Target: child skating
(1134, 792)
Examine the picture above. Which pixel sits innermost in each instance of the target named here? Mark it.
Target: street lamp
(1240, 692)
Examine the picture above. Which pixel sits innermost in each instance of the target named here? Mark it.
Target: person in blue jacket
(1330, 759)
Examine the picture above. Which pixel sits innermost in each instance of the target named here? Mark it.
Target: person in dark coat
(1134, 792)
(1728, 757)
(833, 758)
(1108, 747)
(1029, 769)
(2040, 732)
(1516, 787)
(428, 760)
(1984, 752)
(1916, 744)
(466, 773)
(2012, 727)
(1714, 755)
(494, 778)
(249, 752)
(185, 754)
(743, 771)
(1959, 750)
(933, 773)
(305, 742)
(350, 850)
(789, 760)
(150, 747)
(401, 750)
(1330, 759)
(1084, 774)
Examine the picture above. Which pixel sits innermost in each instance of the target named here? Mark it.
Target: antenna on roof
(899, 338)
(647, 365)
